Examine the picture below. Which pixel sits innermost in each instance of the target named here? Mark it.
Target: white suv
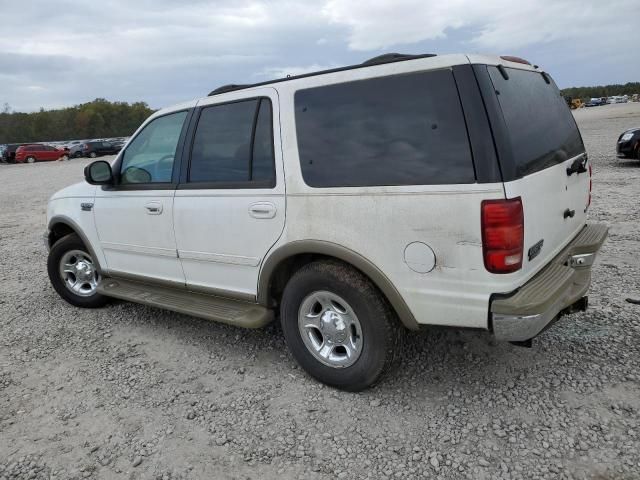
(406, 191)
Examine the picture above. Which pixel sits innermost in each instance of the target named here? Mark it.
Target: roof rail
(379, 60)
(228, 88)
(394, 57)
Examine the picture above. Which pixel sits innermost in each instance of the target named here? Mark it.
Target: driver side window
(149, 157)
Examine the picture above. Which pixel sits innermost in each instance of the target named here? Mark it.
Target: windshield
(541, 129)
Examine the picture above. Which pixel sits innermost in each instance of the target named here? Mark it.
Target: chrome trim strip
(139, 249)
(218, 258)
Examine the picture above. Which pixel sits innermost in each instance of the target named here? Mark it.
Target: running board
(225, 310)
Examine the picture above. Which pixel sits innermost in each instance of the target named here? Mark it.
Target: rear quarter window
(540, 128)
(396, 130)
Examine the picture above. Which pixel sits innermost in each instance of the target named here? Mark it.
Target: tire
(372, 338)
(31, 160)
(92, 155)
(71, 250)
(64, 158)
(77, 155)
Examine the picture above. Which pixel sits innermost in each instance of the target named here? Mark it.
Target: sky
(57, 53)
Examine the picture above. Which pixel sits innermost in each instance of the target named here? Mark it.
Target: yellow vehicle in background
(576, 103)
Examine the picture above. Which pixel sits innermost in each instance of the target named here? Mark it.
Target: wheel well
(58, 231)
(286, 269)
(290, 265)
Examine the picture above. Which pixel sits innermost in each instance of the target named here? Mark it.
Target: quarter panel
(378, 223)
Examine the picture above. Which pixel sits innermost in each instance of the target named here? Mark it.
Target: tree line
(602, 90)
(97, 119)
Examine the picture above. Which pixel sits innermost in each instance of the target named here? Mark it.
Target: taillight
(502, 235)
(590, 185)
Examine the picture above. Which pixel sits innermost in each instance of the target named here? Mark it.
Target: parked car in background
(594, 102)
(628, 145)
(38, 153)
(95, 149)
(75, 151)
(9, 152)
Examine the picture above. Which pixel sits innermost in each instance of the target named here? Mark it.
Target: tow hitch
(579, 306)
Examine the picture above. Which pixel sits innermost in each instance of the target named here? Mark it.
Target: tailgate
(555, 206)
(542, 159)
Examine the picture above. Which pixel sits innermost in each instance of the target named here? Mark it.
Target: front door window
(149, 157)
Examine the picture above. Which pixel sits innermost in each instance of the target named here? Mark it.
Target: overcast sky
(59, 53)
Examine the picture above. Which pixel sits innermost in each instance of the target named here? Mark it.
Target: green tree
(97, 119)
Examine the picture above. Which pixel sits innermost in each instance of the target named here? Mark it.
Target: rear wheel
(77, 154)
(73, 273)
(92, 155)
(337, 325)
(31, 160)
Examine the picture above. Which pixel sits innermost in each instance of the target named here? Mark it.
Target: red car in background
(38, 153)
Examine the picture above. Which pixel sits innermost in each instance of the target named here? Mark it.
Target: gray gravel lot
(135, 392)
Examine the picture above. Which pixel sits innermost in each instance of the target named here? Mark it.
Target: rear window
(397, 130)
(541, 129)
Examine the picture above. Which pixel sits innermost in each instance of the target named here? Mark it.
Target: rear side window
(399, 130)
(233, 145)
(541, 129)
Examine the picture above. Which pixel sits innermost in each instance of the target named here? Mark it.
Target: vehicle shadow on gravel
(628, 163)
(433, 360)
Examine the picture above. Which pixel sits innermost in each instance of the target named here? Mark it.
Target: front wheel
(31, 159)
(74, 274)
(338, 326)
(92, 155)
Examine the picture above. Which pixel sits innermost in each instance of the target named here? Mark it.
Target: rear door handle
(153, 208)
(262, 210)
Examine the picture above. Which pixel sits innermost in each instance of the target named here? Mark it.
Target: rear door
(543, 160)
(229, 208)
(50, 153)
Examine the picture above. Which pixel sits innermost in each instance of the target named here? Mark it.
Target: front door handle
(153, 208)
(262, 210)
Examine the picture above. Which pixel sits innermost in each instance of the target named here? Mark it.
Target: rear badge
(535, 250)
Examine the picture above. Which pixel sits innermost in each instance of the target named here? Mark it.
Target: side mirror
(98, 173)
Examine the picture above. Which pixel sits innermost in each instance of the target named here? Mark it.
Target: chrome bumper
(559, 288)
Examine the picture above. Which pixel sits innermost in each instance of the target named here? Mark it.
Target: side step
(225, 310)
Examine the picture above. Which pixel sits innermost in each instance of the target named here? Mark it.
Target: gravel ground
(135, 392)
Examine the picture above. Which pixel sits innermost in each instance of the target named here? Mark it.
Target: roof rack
(379, 60)
(228, 88)
(394, 57)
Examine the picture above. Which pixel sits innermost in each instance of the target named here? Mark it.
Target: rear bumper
(557, 289)
(625, 149)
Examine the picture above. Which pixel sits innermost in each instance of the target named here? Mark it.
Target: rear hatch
(543, 161)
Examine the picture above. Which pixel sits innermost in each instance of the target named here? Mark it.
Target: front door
(230, 205)
(134, 218)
